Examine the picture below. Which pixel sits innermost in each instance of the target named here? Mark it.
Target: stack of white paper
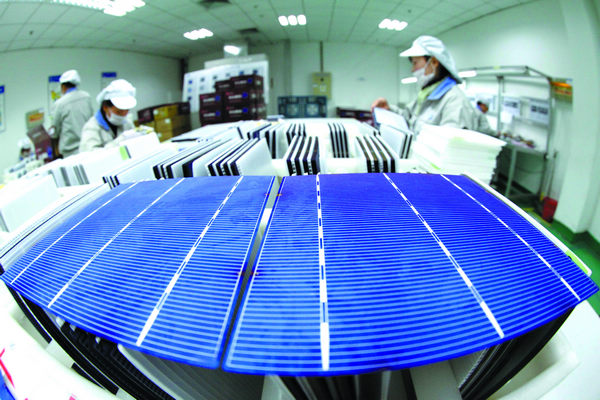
(457, 151)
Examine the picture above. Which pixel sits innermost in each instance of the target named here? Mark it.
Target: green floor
(588, 252)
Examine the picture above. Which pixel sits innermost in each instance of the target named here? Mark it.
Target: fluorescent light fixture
(231, 49)
(410, 79)
(385, 23)
(467, 74)
(393, 25)
(116, 8)
(292, 20)
(198, 34)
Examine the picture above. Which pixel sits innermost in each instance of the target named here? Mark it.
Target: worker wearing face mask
(440, 101)
(110, 121)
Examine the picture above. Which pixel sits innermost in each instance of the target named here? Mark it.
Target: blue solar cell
(157, 268)
(371, 271)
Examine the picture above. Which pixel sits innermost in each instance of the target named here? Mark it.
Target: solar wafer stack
(339, 140)
(302, 157)
(356, 273)
(376, 154)
(457, 151)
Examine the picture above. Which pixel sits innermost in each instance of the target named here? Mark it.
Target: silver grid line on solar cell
(67, 232)
(153, 227)
(518, 236)
(105, 245)
(488, 313)
(403, 255)
(184, 263)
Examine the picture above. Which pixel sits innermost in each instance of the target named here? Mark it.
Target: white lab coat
(69, 114)
(447, 105)
(481, 123)
(96, 133)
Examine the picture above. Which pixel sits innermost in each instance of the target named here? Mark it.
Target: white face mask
(115, 119)
(423, 79)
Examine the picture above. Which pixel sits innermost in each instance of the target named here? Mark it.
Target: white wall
(25, 75)
(532, 34)
(578, 206)
(356, 81)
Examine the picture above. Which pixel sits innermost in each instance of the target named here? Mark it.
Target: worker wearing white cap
(440, 101)
(70, 113)
(110, 121)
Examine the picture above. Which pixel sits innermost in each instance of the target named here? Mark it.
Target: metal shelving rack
(520, 71)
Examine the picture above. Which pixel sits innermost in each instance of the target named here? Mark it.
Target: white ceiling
(158, 27)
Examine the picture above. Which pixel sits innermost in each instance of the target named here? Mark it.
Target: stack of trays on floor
(457, 151)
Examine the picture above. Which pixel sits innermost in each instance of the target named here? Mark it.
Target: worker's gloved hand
(381, 103)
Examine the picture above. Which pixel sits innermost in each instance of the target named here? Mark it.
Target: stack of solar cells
(457, 151)
(339, 140)
(394, 271)
(294, 129)
(356, 273)
(400, 141)
(302, 157)
(249, 157)
(139, 169)
(376, 154)
(191, 161)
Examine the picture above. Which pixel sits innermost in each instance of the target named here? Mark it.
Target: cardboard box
(171, 127)
(222, 86)
(239, 113)
(208, 116)
(211, 101)
(171, 110)
(246, 82)
(243, 97)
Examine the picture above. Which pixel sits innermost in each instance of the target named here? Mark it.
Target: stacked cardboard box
(168, 120)
(238, 98)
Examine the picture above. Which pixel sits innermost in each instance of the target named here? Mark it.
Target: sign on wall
(539, 111)
(321, 84)
(2, 110)
(106, 78)
(54, 93)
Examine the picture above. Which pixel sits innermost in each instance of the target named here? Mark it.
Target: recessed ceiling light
(392, 25)
(467, 74)
(198, 34)
(231, 49)
(292, 20)
(283, 20)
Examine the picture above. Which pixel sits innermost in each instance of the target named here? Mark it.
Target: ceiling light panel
(198, 34)
(292, 20)
(392, 24)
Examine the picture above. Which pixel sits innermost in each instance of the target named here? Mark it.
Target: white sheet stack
(456, 151)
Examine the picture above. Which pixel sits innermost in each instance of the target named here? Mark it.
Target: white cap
(70, 76)
(120, 92)
(431, 46)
